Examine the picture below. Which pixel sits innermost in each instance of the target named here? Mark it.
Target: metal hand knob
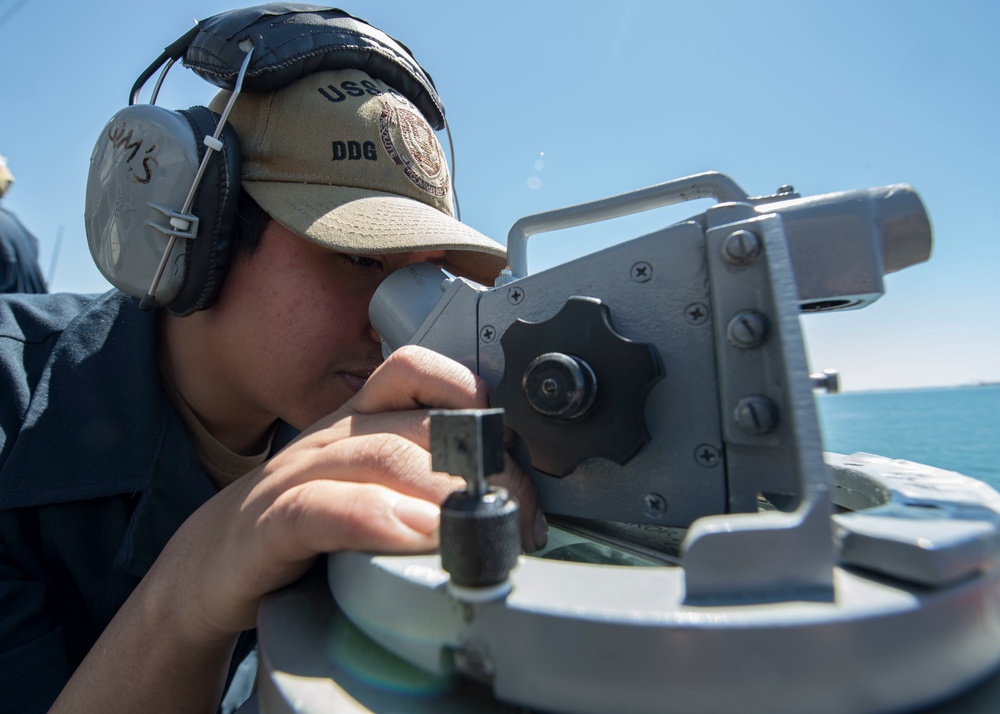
(480, 536)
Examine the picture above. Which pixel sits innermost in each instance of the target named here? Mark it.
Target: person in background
(19, 270)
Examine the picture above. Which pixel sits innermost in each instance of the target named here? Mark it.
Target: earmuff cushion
(208, 256)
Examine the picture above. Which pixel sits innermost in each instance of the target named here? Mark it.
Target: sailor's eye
(365, 262)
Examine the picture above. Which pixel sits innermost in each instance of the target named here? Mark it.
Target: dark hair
(250, 225)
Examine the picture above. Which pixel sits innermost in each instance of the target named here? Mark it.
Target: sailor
(160, 474)
(19, 270)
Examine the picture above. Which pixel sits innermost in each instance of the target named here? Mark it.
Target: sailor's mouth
(355, 380)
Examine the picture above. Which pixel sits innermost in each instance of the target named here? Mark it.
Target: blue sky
(555, 103)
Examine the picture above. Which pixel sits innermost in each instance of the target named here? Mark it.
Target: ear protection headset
(163, 185)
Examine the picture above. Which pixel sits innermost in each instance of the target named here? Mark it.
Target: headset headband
(292, 40)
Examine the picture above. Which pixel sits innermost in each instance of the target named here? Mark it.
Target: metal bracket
(770, 429)
(182, 225)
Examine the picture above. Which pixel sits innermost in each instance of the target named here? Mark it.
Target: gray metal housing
(775, 604)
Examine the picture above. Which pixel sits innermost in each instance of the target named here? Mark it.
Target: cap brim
(366, 222)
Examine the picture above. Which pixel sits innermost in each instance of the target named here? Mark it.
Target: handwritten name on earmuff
(120, 137)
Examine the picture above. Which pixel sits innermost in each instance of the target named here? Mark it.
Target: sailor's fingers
(399, 461)
(324, 516)
(372, 455)
(396, 395)
(417, 378)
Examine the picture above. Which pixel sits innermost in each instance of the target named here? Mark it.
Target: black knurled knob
(480, 537)
(480, 534)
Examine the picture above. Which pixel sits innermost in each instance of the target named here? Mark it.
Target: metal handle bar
(710, 184)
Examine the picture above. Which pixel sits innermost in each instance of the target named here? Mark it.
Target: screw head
(740, 247)
(707, 456)
(515, 295)
(756, 415)
(747, 329)
(696, 313)
(641, 272)
(488, 333)
(654, 505)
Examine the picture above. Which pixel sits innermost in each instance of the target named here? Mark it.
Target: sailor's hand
(359, 479)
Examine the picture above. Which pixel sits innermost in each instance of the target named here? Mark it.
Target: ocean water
(952, 428)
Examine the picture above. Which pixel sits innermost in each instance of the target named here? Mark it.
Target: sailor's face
(296, 317)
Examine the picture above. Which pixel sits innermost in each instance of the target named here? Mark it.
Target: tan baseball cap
(347, 162)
